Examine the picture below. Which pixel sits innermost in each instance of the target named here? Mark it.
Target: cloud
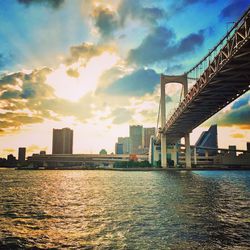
(234, 10)
(51, 3)
(161, 45)
(105, 20)
(86, 51)
(136, 10)
(137, 83)
(237, 135)
(9, 150)
(122, 115)
(16, 120)
(35, 149)
(73, 73)
(235, 117)
(174, 69)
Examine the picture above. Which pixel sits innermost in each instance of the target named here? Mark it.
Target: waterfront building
(118, 148)
(208, 139)
(21, 154)
(136, 138)
(126, 144)
(148, 132)
(62, 141)
(248, 146)
(11, 158)
(232, 150)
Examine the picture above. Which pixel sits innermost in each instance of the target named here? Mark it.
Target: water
(124, 210)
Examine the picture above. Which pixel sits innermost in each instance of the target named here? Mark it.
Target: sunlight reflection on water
(125, 210)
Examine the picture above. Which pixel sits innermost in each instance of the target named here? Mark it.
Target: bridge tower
(165, 79)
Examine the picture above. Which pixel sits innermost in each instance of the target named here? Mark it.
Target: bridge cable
(158, 116)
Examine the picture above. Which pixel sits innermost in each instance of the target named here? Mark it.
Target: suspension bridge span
(220, 77)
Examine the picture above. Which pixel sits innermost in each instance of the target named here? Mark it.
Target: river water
(124, 210)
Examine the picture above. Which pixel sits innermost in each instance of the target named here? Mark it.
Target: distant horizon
(95, 67)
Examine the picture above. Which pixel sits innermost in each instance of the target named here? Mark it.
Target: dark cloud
(85, 52)
(183, 4)
(161, 45)
(174, 69)
(136, 10)
(51, 3)
(239, 115)
(138, 83)
(106, 21)
(235, 9)
(11, 94)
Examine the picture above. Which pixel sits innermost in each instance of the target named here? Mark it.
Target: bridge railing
(196, 71)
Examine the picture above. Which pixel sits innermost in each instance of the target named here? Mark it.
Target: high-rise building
(125, 141)
(148, 132)
(118, 148)
(62, 141)
(136, 139)
(208, 139)
(21, 154)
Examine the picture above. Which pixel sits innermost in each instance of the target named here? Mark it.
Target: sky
(94, 66)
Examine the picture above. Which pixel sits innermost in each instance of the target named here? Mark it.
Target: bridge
(220, 77)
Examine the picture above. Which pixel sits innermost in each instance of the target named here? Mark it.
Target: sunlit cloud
(72, 88)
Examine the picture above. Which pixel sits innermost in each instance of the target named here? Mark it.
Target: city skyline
(97, 70)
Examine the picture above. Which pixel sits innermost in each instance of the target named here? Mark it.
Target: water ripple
(124, 210)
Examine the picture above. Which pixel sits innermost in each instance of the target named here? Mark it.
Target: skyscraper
(148, 132)
(62, 141)
(21, 154)
(136, 138)
(125, 141)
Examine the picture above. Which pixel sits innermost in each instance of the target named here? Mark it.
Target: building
(21, 154)
(232, 150)
(136, 139)
(148, 132)
(126, 144)
(208, 139)
(62, 141)
(119, 148)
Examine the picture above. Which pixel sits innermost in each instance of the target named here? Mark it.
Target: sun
(74, 81)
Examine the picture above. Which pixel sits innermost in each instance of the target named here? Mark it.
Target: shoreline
(233, 168)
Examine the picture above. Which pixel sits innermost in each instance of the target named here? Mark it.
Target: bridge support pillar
(163, 151)
(195, 156)
(163, 122)
(174, 156)
(188, 151)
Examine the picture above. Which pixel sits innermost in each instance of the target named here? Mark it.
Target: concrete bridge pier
(188, 151)
(163, 151)
(174, 155)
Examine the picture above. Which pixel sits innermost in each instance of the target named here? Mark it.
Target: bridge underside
(231, 81)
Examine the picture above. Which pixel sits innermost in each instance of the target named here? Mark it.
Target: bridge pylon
(166, 79)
